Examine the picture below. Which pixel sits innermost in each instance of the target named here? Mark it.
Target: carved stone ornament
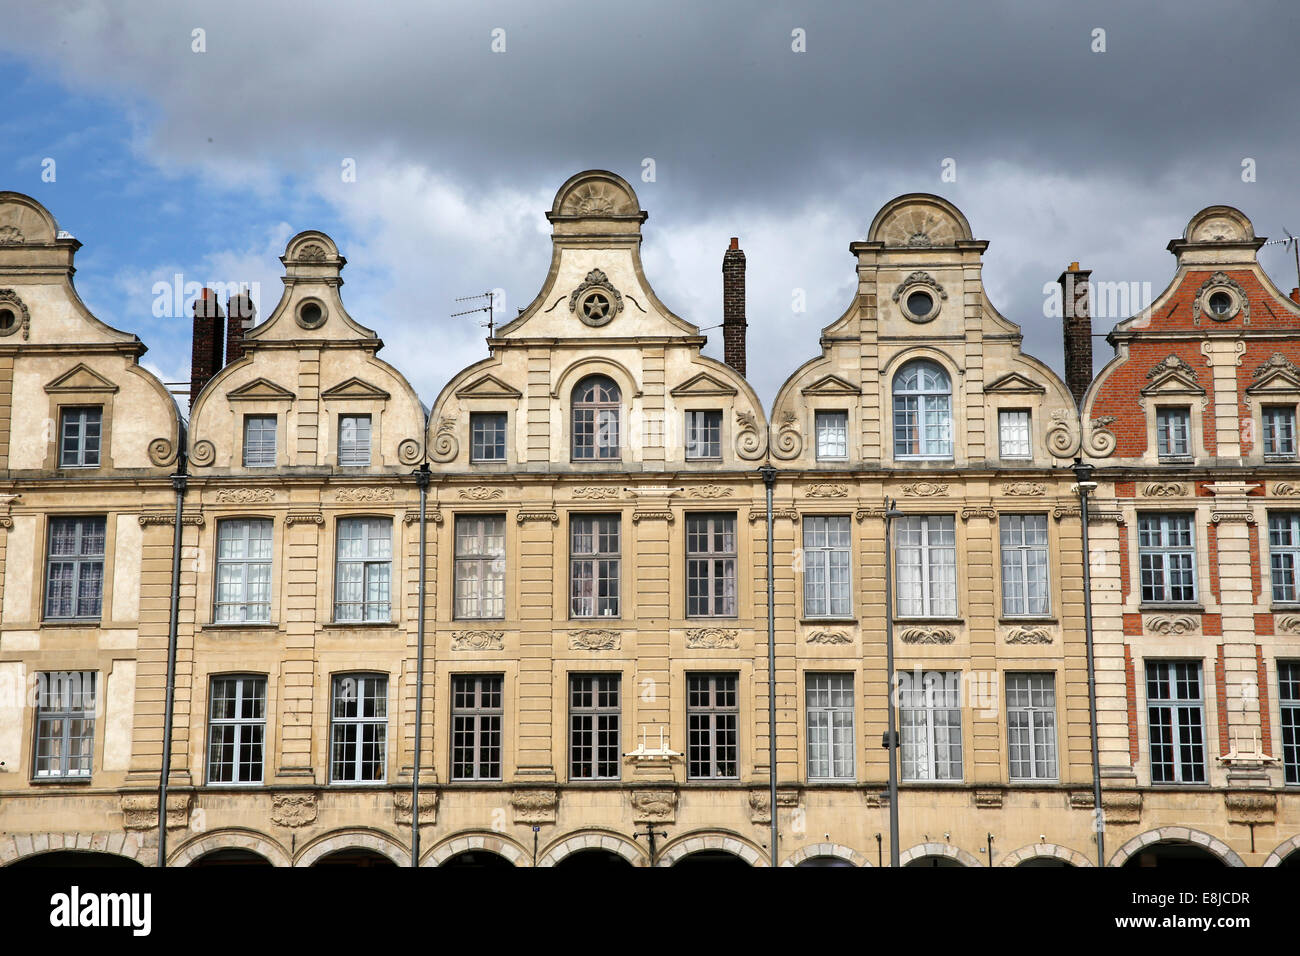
(712, 637)
(639, 516)
(446, 446)
(926, 489)
(654, 806)
(162, 452)
(594, 639)
(710, 491)
(169, 518)
(789, 442)
(760, 803)
(10, 236)
(312, 252)
(1029, 635)
(480, 493)
(304, 517)
(402, 807)
(598, 492)
(203, 453)
(1122, 806)
(17, 319)
(409, 451)
(749, 443)
(1171, 364)
(477, 640)
(140, 811)
(595, 300)
(245, 496)
(430, 514)
(1164, 489)
(1101, 440)
(381, 494)
(1278, 362)
(826, 489)
(1173, 625)
(1290, 624)
(1221, 280)
(1024, 488)
(596, 198)
(1250, 807)
(987, 799)
(550, 516)
(968, 513)
(920, 279)
(927, 635)
(1286, 489)
(293, 810)
(1062, 441)
(534, 806)
(829, 637)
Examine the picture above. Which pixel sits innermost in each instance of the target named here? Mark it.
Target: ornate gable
(1172, 376)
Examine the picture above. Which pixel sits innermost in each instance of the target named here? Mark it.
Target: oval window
(920, 304)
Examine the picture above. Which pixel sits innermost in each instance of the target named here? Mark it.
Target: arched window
(922, 411)
(596, 403)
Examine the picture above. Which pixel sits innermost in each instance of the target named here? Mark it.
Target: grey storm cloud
(1062, 153)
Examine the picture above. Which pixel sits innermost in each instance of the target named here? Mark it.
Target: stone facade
(596, 519)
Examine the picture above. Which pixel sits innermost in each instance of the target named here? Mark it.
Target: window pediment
(1015, 383)
(831, 385)
(488, 386)
(703, 384)
(81, 378)
(354, 388)
(1172, 377)
(1277, 377)
(260, 390)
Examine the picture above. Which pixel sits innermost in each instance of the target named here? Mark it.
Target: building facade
(593, 561)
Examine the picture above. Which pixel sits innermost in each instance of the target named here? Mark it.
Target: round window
(920, 304)
(8, 319)
(1220, 304)
(311, 314)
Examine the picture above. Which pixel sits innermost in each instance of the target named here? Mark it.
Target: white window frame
(603, 415)
(1284, 556)
(87, 567)
(712, 728)
(930, 719)
(829, 703)
(65, 716)
(376, 571)
(258, 449)
(1279, 430)
(1288, 699)
(1023, 561)
(926, 415)
(87, 448)
(1015, 432)
(352, 692)
(246, 730)
(1177, 715)
(703, 434)
(826, 558)
(595, 571)
(712, 566)
(1031, 726)
(1170, 419)
(245, 564)
(934, 568)
(831, 428)
(480, 574)
(481, 725)
(1157, 557)
(483, 425)
(595, 726)
(354, 440)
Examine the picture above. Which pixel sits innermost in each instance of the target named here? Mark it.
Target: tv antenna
(490, 309)
(1294, 243)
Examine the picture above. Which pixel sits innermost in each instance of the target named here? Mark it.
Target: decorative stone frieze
(293, 810)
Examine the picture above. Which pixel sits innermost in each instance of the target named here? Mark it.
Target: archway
(594, 860)
(1175, 847)
(823, 861)
(1174, 854)
(77, 859)
(934, 861)
(934, 855)
(478, 860)
(232, 857)
(355, 856)
(711, 859)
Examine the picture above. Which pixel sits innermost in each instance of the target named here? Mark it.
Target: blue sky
(205, 163)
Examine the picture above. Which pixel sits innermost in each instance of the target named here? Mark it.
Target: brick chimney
(733, 307)
(209, 332)
(1076, 318)
(1295, 296)
(241, 316)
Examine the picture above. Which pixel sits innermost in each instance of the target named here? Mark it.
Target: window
(594, 741)
(1172, 431)
(359, 729)
(1024, 565)
(1166, 558)
(476, 715)
(243, 571)
(236, 729)
(930, 718)
(259, 441)
(594, 566)
(1031, 726)
(703, 435)
(1284, 556)
(1288, 695)
(826, 591)
(922, 411)
(832, 434)
(480, 566)
(712, 726)
(711, 565)
(79, 437)
(1279, 430)
(1015, 440)
(830, 726)
(926, 556)
(364, 571)
(487, 436)
(354, 441)
(596, 405)
(1176, 721)
(65, 724)
(74, 573)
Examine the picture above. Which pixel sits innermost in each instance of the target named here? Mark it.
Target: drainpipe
(891, 739)
(769, 479)
(1083, 476)
(422, 481)
(179, 481)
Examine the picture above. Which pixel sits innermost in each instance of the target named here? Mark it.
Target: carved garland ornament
(481, 493)
(1173, 626)
(711, 491)
(477, 640)
(920, 279)
(293, 810)
(594, 639)
(364, 494)
(1286, 489)
(712, 637)
(598, 492)
(1171, 364)
(1290, 624)
(1164, 489)
(1029, 635)
(1278, 362)
(926, 489)
(1024, 488)
(827, 489)
(244, 496)
(534, 806)
(927, 635)
(829, 637)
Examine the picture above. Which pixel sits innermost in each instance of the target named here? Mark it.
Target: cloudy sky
(461, 120)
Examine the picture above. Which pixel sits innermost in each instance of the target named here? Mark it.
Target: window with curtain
(597, 403)
(363, 574)
(922, 411)
(925, 550)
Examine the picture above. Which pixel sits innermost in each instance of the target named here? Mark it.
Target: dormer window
(832, 435)
(487, 436)
(922, 411)
(259, 441)
(79, 435)
(354, 441)
(1279, 431)
(703, 435)
(596, 406)
(1172, 432)
(1013, 434)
